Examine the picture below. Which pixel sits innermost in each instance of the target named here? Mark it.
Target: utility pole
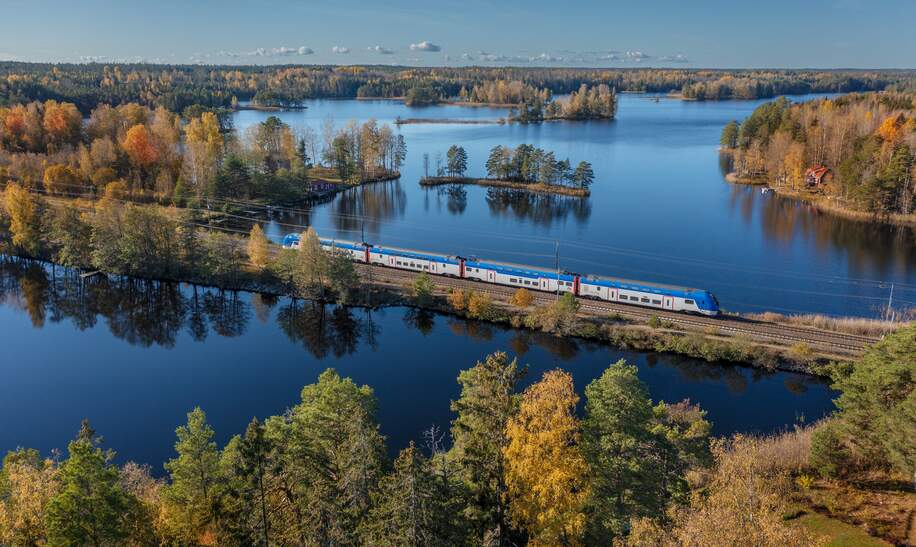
(890, 302)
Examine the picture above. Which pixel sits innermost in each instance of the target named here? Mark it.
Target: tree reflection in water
(371, 204)
(542, 209)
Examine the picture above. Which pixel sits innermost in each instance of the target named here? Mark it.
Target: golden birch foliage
(545, 469)
(24, 218)
(744, 504)
(522, 298)
(258, 247)
(22, 509)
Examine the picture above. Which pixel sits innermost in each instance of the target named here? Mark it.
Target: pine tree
(618, 446)
(494, 162)
(545, 470)
(584, 176)
(488, 399)
(408, 508)
(192, 497)
(90, 506)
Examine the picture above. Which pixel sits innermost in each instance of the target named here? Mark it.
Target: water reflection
(542, 209)
(325, 330)
(888, 250)
(370, 204)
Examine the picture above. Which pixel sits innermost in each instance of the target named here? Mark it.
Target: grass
(849, 325)
(836, 532)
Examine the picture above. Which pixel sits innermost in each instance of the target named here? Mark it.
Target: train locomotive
(624, 291)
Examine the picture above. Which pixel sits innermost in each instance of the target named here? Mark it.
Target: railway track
(731, 324)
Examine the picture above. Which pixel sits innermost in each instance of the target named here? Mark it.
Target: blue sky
(701, 33)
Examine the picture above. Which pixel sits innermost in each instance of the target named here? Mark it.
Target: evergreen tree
(192, 499)
(248, 460)
(584, 176)
(618, 447)
(729, 138)
(494, 162)
(90, 506)
(408, 508)
(488, 399)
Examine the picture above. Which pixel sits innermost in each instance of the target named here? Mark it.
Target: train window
(688, 301)
(657, 302)
(644, 299)
(513, 280)
(634, 298)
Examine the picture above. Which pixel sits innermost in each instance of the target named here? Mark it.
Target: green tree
(341, 273)
(328, 461)
(422, 289)
(488, 399)
(249, 461)
(192, 498)
(456, 161)
(409, 508)
(729, 138)
(494, 163)
(69, 237)
(618, 446)
(583, 176)
(90, 506)
(876, 410)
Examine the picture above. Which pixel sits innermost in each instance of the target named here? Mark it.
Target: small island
(524, 168)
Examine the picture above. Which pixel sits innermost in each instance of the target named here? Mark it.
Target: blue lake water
(660, 209)
(135, 357)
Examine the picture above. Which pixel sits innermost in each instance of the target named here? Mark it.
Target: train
(608, 289)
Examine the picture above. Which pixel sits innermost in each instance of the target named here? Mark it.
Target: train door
(669, 303)
(491, 276)
(612, 295)
(391, 261)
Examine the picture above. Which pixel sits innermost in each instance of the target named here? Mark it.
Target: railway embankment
(768, 342)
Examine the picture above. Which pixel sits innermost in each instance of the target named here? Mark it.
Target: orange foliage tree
(139, 146)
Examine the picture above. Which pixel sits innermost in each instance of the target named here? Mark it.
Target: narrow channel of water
(135, 356)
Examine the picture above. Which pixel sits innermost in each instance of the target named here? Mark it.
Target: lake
(660, 209)
(134, 357)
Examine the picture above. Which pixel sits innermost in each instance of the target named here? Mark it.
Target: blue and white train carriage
(637, 293)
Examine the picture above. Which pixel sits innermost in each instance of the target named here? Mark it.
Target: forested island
(176, 87)
(525, 167)
(854, 154)
(517, 466)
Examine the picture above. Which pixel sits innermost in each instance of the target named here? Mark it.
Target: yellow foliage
(61, 179)
(459, 300)
(139, 147)
(258, 247)
(522, 298)
(545, 469)
(890, 128)
(22, 508)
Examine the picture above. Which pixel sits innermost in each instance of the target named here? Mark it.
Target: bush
(522, 298)
(655, 322)
(422, 289)
(480, 306)
(829, 454)
(459, 299)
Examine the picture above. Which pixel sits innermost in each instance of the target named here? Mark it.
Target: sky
(598, 33)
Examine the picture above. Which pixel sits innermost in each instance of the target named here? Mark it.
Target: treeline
(319, 473)
(526, 163)
(867, 141)
(519, 467)
(178, 157)
(176, 87)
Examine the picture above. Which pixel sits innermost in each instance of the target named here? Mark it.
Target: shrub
(480, 306)
(422, 289)
(459, 299)
(830, 456)
(522, 298)
(655, 322)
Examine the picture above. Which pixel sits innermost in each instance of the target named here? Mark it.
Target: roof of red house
(817, 172)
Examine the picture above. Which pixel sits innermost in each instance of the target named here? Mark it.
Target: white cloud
(305, 50)
(425, 46)
(467, 57)
(676, 58)
(546, 58)
(381, 50)
(637, 56)
(340, 49)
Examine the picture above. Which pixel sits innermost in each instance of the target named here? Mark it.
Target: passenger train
(637, 293)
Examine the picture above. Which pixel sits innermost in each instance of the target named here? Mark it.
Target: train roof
(622, 283)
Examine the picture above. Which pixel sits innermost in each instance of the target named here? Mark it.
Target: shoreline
(537, 187)
(447, 121)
